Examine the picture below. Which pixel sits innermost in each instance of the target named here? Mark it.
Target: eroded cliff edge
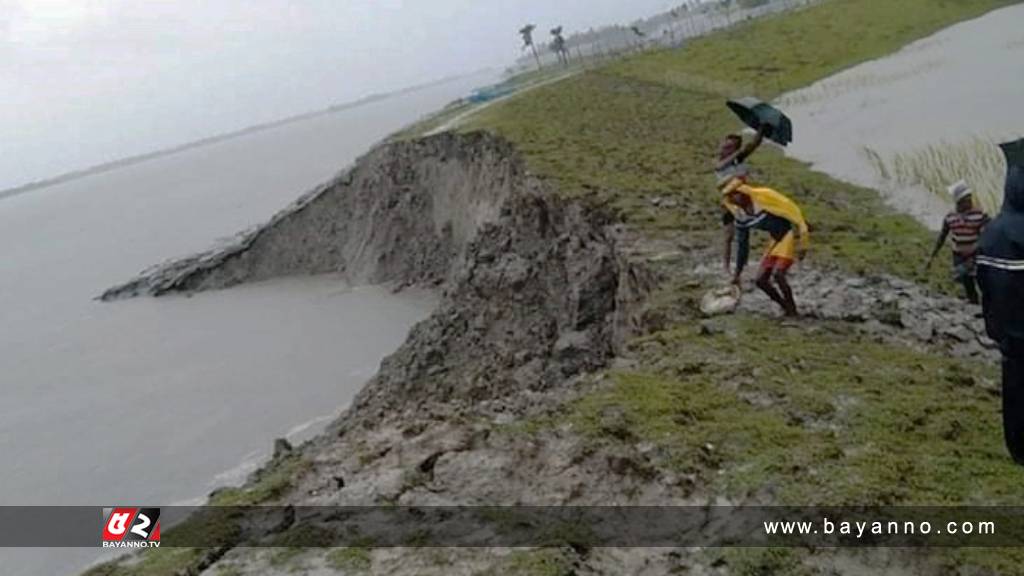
(404, 213)
(537, 292)
(535, 288)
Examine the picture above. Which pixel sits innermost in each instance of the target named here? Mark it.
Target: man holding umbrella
(1000, 264)
(767, 120)
(733, 154)
(746, 207)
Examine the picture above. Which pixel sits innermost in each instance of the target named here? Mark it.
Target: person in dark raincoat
(1001, 276)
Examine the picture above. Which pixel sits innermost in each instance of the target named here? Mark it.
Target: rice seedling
(842, 84)
(936, 166)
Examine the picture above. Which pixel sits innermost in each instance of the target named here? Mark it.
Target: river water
(157, 401)
(963, 83)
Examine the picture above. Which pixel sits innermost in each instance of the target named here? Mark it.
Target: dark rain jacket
(1001, 262)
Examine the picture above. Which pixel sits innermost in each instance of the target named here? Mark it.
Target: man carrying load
(747, 208)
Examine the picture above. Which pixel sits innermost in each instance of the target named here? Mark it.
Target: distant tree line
(687, 20)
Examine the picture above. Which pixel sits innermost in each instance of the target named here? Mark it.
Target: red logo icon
(131, 527)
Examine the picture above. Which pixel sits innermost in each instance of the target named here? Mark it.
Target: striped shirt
(965, 229)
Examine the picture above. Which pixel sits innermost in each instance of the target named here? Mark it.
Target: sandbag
(720, 301)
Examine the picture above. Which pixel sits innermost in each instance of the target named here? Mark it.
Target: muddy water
(964, 82)
(160, 400)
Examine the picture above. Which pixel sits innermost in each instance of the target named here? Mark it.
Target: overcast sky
(93, 80)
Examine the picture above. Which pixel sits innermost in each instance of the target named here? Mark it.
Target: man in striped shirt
(964, 226)
(1001, 275)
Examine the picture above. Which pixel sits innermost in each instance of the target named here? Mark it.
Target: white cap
(959, 191)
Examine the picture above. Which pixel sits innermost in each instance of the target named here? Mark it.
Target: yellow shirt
(773, 202)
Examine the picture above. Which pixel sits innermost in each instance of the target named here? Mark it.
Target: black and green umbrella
(756, 113)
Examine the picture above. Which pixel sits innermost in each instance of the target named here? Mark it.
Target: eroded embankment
(536, 288)
(489, 401)
(404, 213)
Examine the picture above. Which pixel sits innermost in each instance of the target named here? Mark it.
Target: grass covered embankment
(815, 413)
(648, 125)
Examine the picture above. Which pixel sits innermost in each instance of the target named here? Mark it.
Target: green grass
(818, 413)
(433, 121)
(780, 54)
(285, 558)
(765, 562)
(350, 560)
(159, 562)
(811, 414)
(214, 527)
(288, 546)
(272, 482)
(540, 562)
(853, 421)
(648, 125)
(519, 82)
(804, 415)
(229, 570)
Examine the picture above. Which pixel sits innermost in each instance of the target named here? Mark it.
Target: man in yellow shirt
(749, 208)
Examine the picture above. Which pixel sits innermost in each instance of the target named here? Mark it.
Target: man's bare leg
(788, 304)
(764, 282)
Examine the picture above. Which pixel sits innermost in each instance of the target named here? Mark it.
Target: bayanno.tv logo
(131, 527)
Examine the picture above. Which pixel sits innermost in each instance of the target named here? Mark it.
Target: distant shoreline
(139, 158)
